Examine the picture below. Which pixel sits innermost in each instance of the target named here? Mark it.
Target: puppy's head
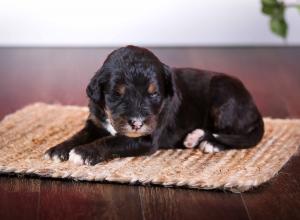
(132, 87)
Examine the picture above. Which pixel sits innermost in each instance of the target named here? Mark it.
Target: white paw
(56, 159)
(47, 156)
(75, 158)
(192, 139)
(207, 147)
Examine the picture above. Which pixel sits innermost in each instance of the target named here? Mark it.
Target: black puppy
(138, 105)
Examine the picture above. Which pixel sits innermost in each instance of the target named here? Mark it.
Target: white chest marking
(108, 126)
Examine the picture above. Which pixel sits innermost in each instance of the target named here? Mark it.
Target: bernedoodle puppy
(138, 105)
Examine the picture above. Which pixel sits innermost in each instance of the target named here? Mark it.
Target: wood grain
(160, 203)
(19, 198)
(74, 200)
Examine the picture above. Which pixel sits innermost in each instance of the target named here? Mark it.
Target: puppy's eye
(152, 91)
(120, 89)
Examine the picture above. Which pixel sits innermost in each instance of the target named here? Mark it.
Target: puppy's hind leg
(234, 118)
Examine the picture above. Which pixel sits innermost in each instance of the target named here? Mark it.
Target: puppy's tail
(240, 141)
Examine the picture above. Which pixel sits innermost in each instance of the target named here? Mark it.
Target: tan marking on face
(152, 88)
(121, 89)
(133, 134)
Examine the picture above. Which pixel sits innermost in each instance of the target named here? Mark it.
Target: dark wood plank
(169, 203)
(289, 80)
(19, 198)
(279, 198)
(77, 200)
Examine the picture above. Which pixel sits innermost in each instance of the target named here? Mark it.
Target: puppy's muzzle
(136, 123)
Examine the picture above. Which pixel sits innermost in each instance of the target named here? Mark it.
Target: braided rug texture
(28, 133)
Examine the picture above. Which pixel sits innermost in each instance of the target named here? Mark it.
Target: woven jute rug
(28, 133)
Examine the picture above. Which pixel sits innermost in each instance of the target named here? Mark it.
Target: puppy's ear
(169, 80)
(95, 88)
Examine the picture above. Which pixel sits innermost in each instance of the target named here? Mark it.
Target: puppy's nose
(136, 123)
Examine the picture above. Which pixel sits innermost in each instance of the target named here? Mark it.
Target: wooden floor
(60, 75)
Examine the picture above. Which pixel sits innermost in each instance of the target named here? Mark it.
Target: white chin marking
(110, 128)
(192, 139)
(207, 147)
(75, 158)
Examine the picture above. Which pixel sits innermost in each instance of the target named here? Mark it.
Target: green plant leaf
(278, 11)
(279, 26)
(298, 8)
(268, 9)
(269, 2)
(273, 9)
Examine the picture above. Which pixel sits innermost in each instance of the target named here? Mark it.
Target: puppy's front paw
(85, 155)
(208, 147)
(58, 153)
(193, 138)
